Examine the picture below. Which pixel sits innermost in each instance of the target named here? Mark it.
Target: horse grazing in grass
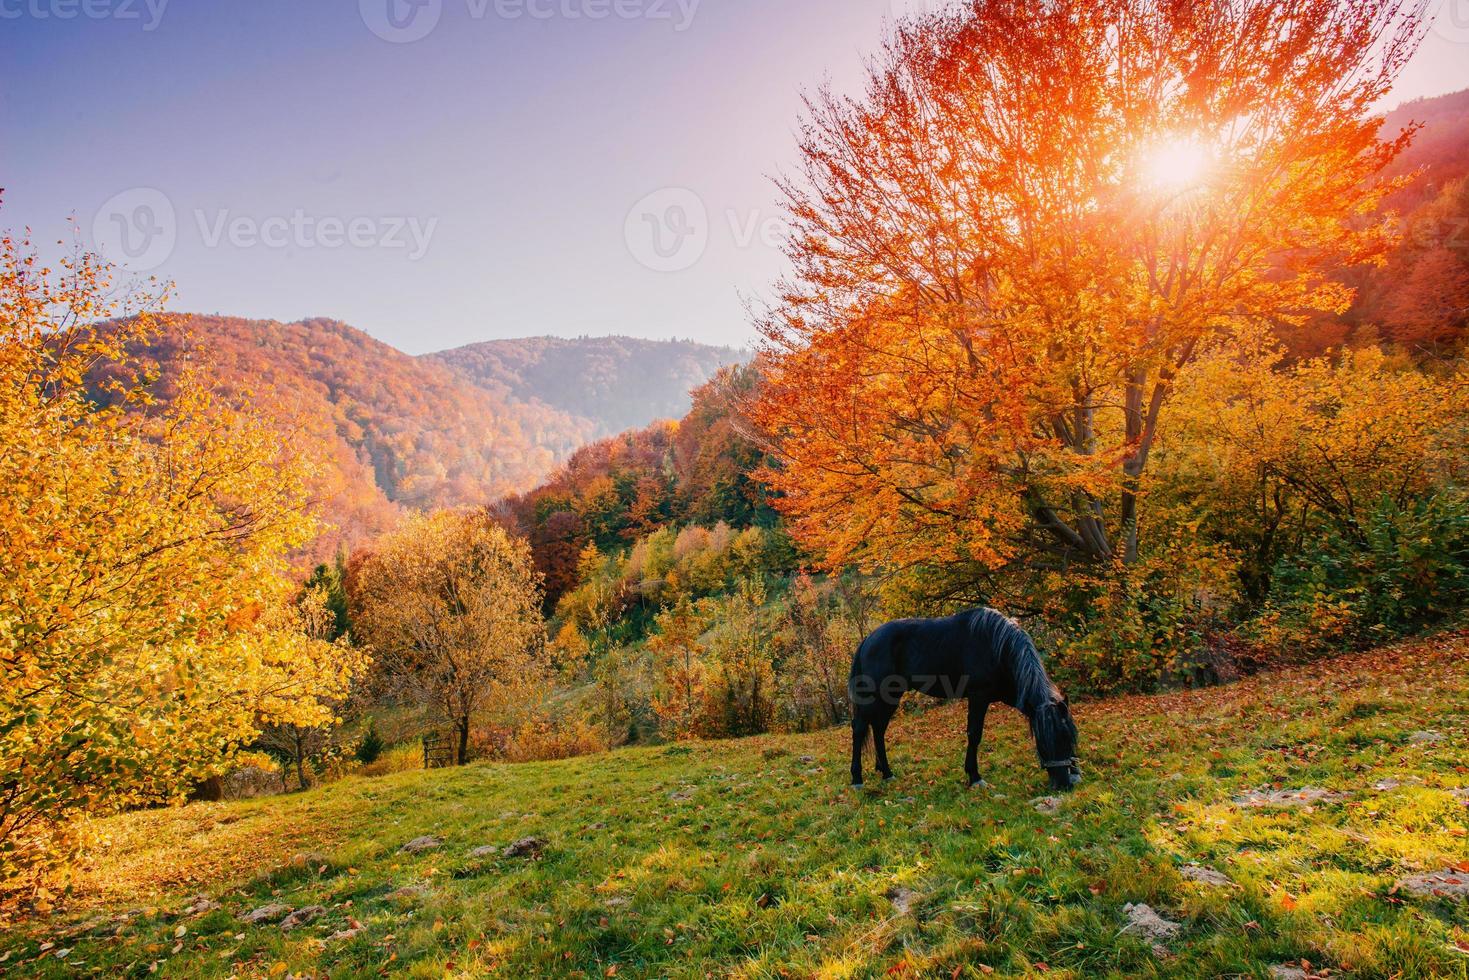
(981, 655)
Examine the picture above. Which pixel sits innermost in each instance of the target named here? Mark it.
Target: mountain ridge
(400, 432)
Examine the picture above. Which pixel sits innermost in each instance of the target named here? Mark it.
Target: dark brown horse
(982, 656)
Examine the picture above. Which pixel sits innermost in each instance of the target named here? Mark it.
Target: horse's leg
(879, 740)
(978, 707)
(859, 736)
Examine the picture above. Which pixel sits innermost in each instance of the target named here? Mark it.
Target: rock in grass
(1205, 876)
(1147, 924)
(1426, 738)
(480, 853)
(526, 847)
(1285, 971)
(1440, 884)
(903, 899)
(198, 905)
(1047, 804)
(302, 917)
(274, 912)
(420, 844)
(1308, 796)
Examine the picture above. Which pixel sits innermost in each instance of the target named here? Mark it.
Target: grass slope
(754, 859)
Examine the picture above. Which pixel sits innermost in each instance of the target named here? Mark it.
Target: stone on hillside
(420, 844)
(1204, 876)
(1426, 738)
(526, 847)
(198, 905)
(273, 912)
(408, 893)
(1308, 796)
(480, 853)
(1142, 921)
(345, 934)
(1440, 884)
(903, 899)
(1282, 971)
(1047, 804)
(302, 917)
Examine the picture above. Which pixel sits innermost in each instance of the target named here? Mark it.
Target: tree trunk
(463, 751)
(300, 760)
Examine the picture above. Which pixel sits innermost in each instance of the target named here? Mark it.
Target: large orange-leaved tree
(1007, 248)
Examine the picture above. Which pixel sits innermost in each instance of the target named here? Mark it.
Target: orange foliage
(1008, 249)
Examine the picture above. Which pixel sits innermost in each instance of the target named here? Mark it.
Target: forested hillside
(1420, 298)
(397, 432)
(615, 383)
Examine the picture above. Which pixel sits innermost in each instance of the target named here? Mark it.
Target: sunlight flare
(1177, 163)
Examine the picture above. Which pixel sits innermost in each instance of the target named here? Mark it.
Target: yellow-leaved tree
(147, 627)
(451, 606)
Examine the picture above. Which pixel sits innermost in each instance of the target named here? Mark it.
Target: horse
(981, 655)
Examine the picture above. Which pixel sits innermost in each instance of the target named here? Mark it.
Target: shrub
(1406, 569)
(370, 747)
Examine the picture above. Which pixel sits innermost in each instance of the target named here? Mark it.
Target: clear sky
(439, 172)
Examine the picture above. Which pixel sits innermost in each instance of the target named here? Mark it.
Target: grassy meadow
(753, 858)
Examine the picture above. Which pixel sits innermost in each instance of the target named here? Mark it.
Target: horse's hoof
(887, 775)
(856, 785)
(979, 784)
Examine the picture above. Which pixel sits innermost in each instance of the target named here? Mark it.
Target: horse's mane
(1017, 651)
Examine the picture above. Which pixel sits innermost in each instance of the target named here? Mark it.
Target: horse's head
(1055, 742)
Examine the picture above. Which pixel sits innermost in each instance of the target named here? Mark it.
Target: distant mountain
(1440, 151)
(614, 383)
(401, 432)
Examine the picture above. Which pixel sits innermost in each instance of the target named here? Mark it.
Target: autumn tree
(1005, 251)
(679, 657)
(450, 605)
(319, 614)
(146, 627)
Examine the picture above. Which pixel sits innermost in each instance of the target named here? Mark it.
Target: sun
(1177, 164)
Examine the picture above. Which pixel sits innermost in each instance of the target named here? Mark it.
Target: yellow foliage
(146, 627)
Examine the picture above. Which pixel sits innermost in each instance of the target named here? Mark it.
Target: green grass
(753, 858)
